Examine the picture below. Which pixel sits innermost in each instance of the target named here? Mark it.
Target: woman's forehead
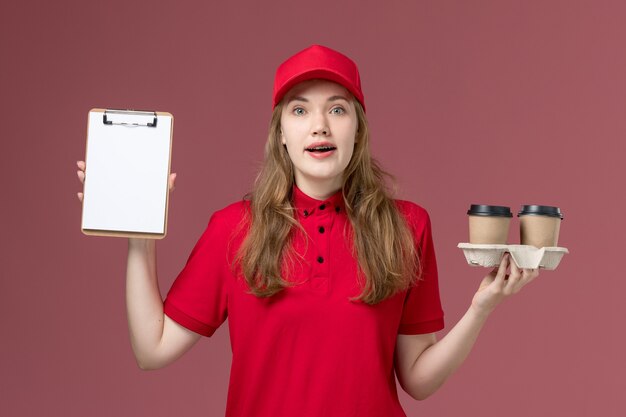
(318, 86)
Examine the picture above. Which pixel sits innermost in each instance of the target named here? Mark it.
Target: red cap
(317, 61)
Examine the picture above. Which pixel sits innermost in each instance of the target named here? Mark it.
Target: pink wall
(501, 102)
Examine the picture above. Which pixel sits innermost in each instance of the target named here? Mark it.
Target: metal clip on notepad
(130, 118)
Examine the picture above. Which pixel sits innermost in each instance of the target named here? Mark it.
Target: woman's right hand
(156, 339)
(81, 178)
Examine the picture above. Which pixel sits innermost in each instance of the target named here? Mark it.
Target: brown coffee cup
(489, 224)
(539, 225)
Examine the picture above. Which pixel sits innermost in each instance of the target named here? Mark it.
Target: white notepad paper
(126, 176)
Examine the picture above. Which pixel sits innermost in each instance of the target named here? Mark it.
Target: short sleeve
(422, 312)
(198, 298)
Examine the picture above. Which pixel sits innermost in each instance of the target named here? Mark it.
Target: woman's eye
(338, 110)
(298, 111)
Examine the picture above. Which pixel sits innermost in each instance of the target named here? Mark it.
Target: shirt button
(320, 259)
(306, 213)
(321, 229)
(323, 206)
(337, 209)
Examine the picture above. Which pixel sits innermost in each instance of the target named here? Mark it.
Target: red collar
(306, 205)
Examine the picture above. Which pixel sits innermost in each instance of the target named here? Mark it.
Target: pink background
(493, 102)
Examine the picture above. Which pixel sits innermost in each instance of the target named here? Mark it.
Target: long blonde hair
(382, 241)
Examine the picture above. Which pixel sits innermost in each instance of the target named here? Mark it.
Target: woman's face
(318, 127)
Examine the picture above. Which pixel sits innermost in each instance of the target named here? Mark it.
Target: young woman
(330, 285)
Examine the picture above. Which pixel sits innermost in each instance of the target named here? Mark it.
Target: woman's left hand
(497, 286)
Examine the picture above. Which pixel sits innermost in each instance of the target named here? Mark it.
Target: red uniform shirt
(307, 351)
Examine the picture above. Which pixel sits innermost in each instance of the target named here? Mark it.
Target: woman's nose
(320, 126)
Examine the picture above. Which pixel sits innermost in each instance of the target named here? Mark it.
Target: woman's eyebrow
(334, 98)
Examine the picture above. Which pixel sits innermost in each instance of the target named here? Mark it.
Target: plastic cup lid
(484, 210)
(540, 211)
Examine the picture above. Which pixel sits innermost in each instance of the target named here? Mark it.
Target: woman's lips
(321, 150)
(322, 155)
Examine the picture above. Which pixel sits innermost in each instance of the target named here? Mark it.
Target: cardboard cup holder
(524, 256)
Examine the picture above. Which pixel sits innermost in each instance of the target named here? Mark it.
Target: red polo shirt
(307, 351)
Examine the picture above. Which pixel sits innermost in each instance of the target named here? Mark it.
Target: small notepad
(126, 175)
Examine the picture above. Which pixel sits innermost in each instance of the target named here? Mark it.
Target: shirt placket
(321, 235)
